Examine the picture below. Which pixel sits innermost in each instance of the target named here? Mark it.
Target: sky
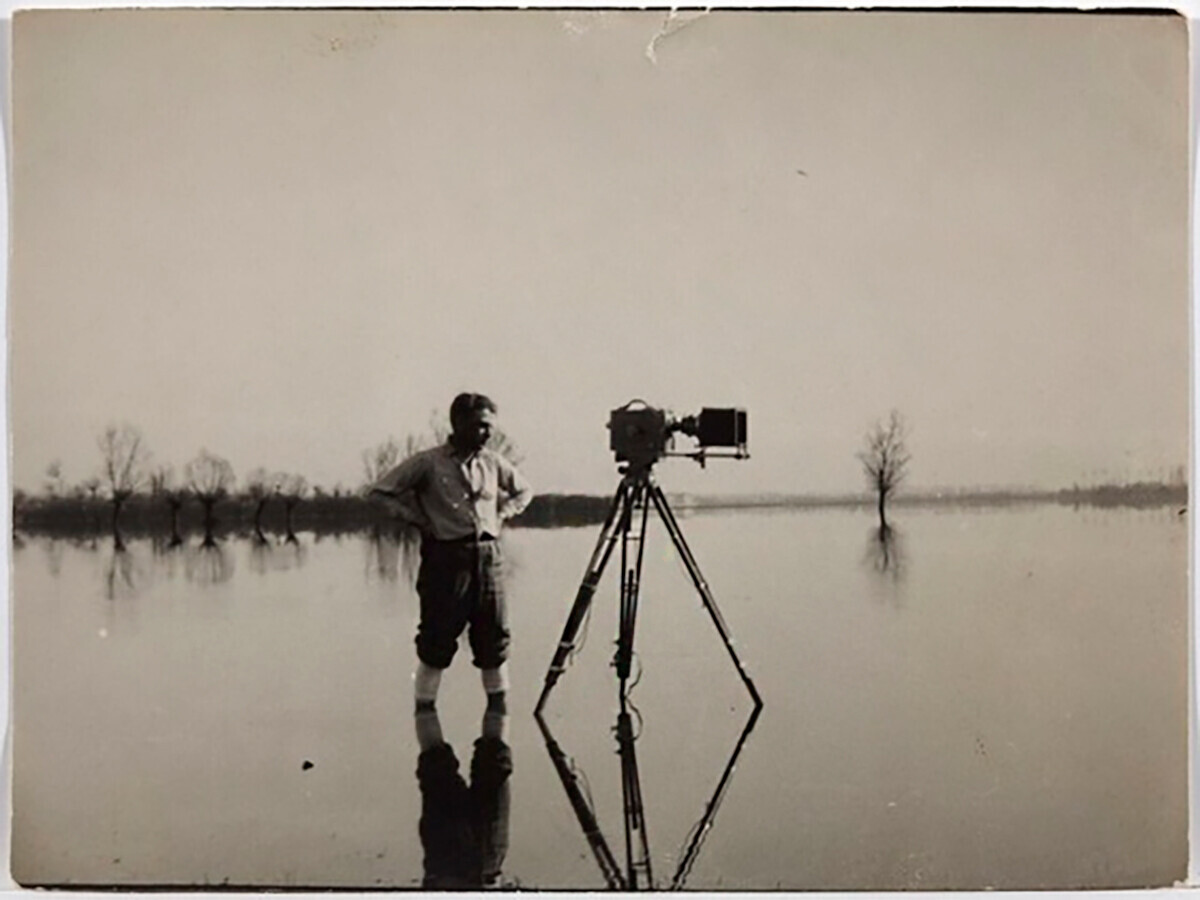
(285, 236)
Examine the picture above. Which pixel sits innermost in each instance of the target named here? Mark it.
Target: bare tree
(293, 488)
(160, 477)
(125, 458)
(210, 478)
(884, 458)
(91, 486)
(259, 487)
(165, 487)
(438, 427)
(381, 459)
(54, 479)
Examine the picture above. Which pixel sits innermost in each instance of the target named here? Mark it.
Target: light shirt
(456, 497)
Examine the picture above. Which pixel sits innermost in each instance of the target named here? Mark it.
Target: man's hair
(468, 403)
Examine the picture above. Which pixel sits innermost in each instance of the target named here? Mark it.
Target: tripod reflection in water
(637, 873)
(464, 827)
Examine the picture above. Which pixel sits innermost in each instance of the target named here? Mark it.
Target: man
(457, 494)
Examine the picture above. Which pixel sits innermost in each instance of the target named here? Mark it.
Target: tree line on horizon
(126, 477)
(164, 497)
(126, 471)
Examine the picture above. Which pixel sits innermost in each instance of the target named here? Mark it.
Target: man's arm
(516, 492)
(397, 491)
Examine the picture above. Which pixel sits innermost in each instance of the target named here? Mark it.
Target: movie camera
(641, 434)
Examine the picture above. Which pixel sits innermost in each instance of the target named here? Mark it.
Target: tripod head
(641, 435)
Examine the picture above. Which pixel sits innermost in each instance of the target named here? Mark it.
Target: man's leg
(495, 685)
(426, 682)
(491, 771)
(489, 633)
(443, 585)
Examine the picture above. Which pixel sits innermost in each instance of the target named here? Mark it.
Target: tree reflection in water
(282, 556)
(885, 552)
(208, 564)
(392, 552)
(463, 826)
(167, 555)
(122, 575)
(54, 556)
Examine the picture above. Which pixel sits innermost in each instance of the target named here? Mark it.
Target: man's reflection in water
(464, 828)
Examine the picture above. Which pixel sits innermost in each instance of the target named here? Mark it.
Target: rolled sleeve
(397, 491)
(517, 490)
(403, 478)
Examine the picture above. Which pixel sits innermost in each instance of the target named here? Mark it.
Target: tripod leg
(631, 577)
(637, 842)
(700, 830)
(584, 813)
(587, 589)
(710, 603)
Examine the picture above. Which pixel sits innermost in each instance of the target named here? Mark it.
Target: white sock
(426, 682)
(495, 680)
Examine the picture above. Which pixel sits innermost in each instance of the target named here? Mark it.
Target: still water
(1000, 702)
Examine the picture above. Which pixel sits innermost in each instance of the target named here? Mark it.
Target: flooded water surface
(994, 698)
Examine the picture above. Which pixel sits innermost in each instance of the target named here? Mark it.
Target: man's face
(473, 429)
